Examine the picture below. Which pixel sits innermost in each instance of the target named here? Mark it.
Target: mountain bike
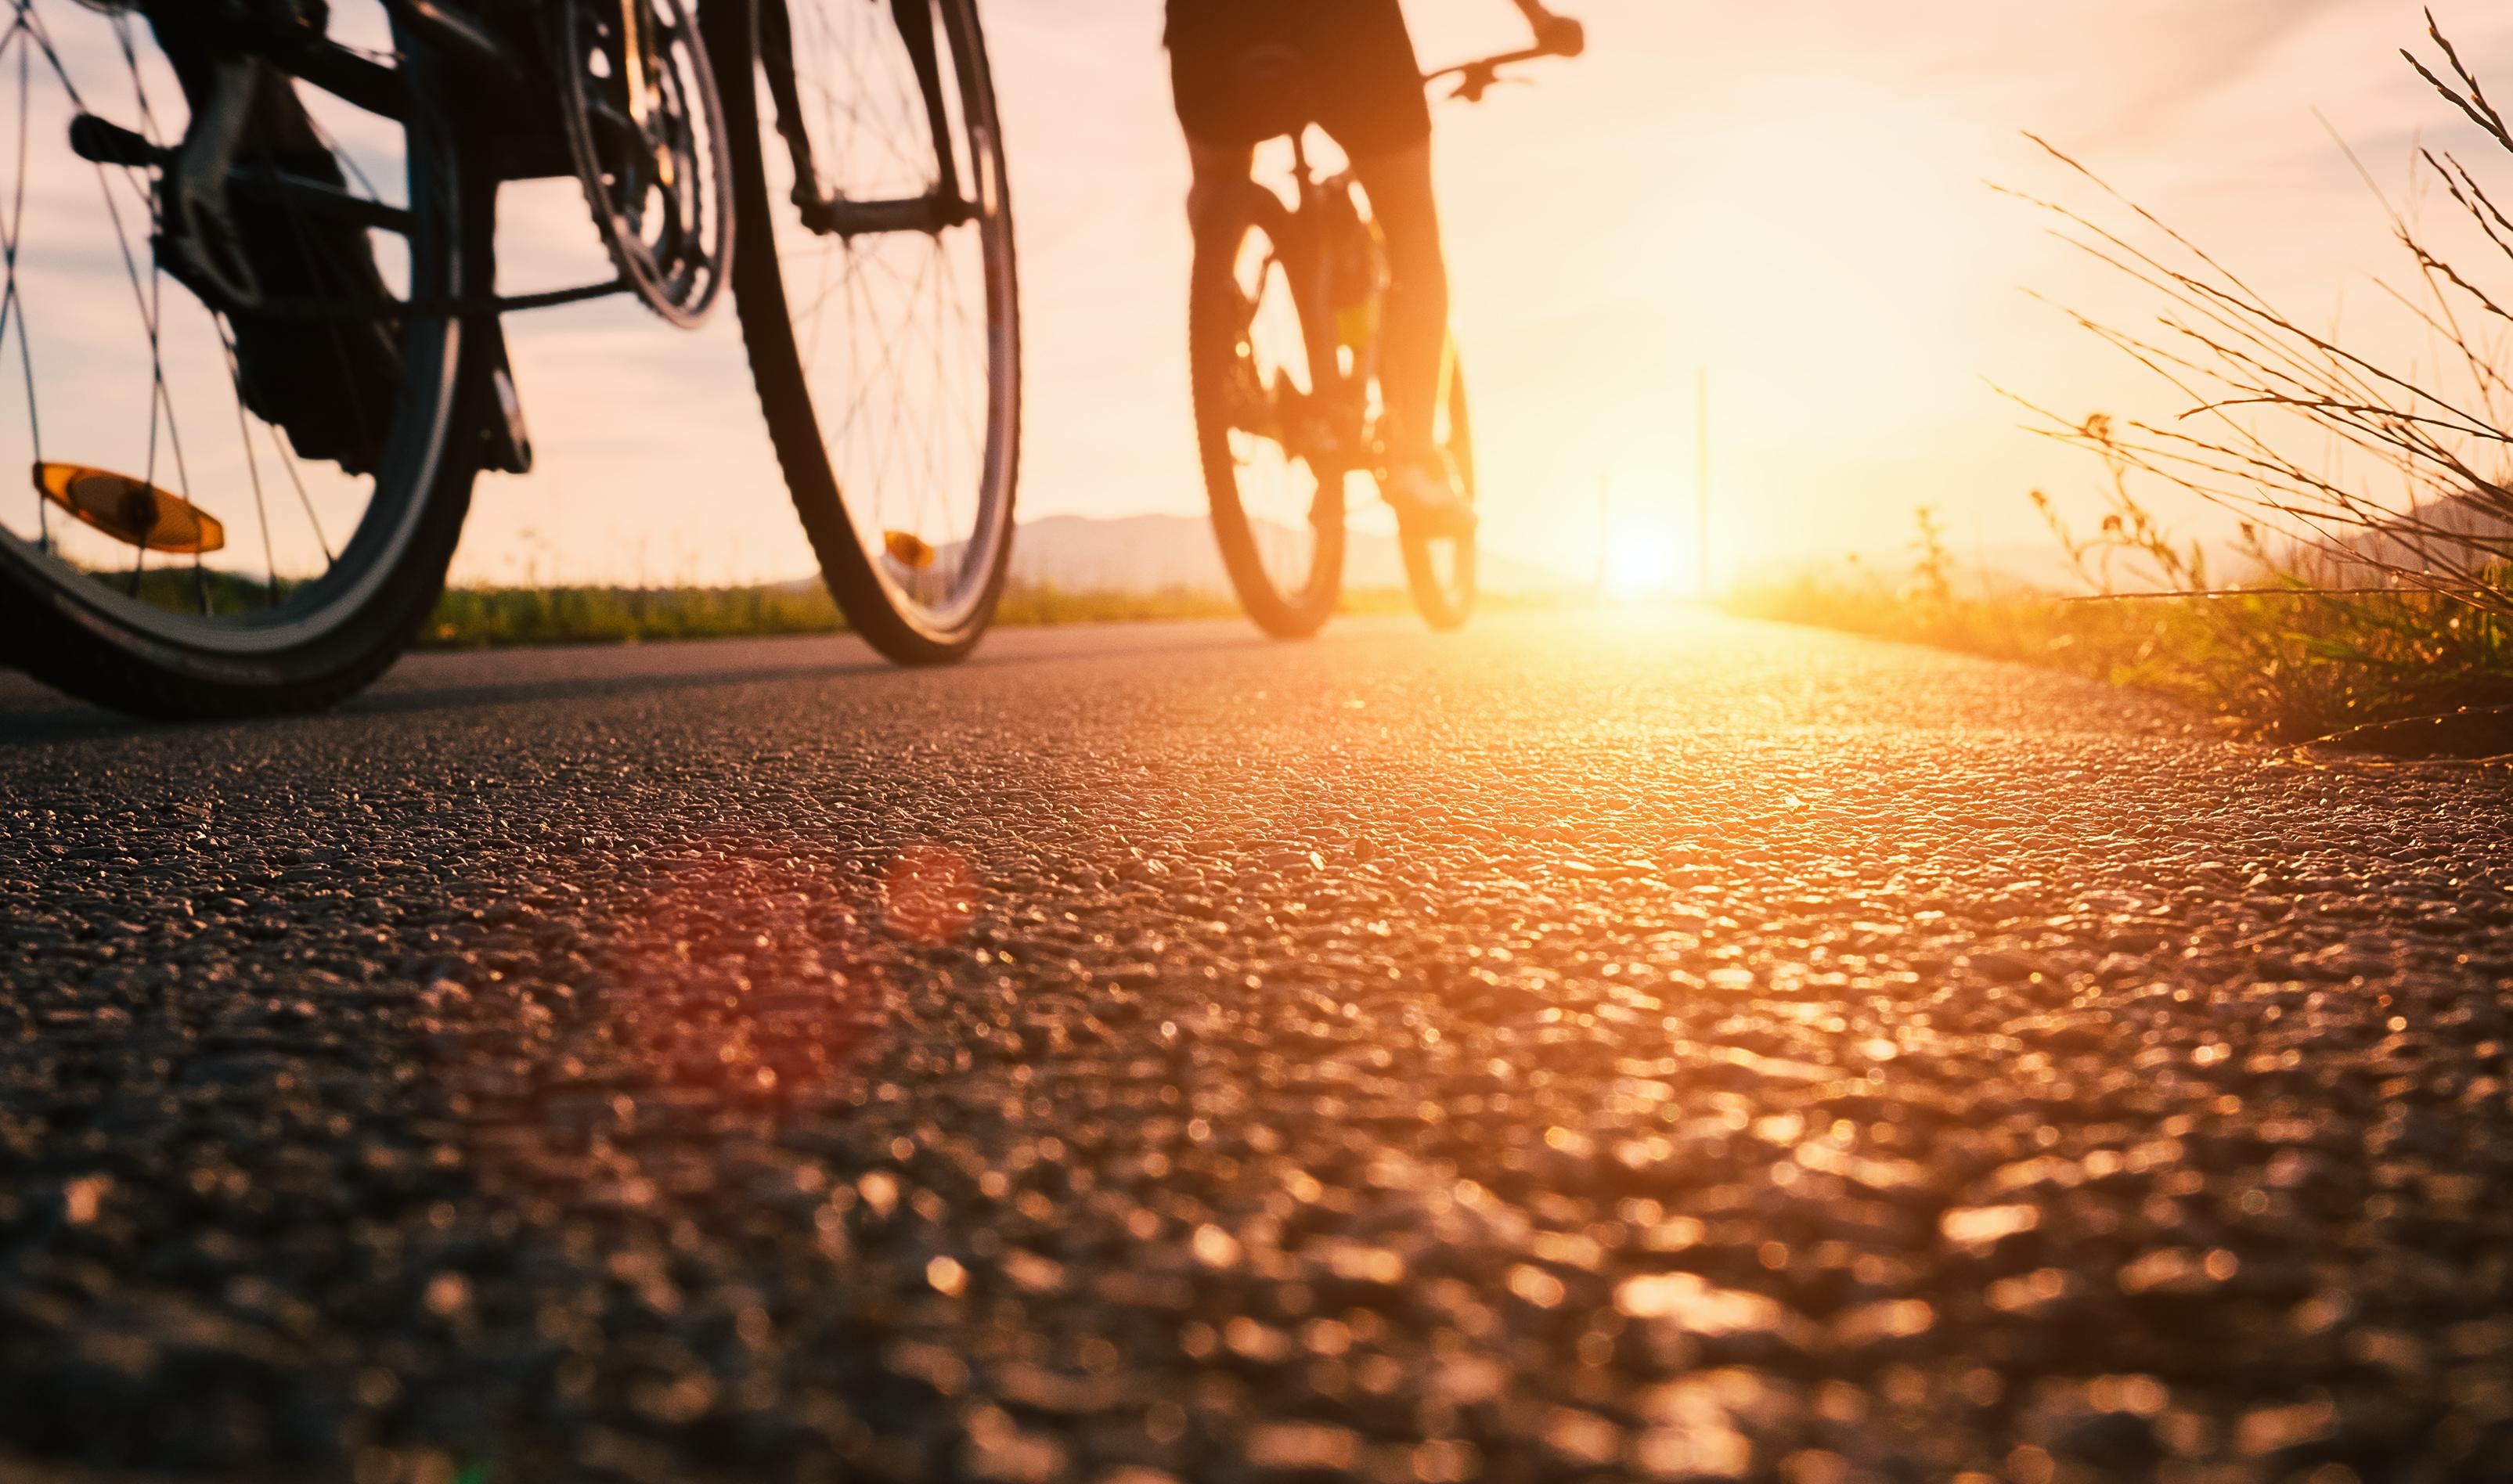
(251, 345)
(1283, 339)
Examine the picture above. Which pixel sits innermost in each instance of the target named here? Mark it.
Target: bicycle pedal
(132, 511)
(102, 142)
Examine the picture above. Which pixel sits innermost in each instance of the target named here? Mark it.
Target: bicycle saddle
(1274, 82)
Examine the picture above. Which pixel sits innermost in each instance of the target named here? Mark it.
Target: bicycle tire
(1447, 600)
(332, 634)
(846, 524)
(1217, 309)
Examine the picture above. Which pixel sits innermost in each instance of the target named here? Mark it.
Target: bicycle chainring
(647, 132)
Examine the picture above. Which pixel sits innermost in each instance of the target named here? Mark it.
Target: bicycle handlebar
(1475, 78)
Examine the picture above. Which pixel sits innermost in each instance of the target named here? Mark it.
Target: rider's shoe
(1427, 502)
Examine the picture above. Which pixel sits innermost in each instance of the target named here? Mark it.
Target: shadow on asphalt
(65, 722)
(68, 720)
(33, 717)
(457, 697)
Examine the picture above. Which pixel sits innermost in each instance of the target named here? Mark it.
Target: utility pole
(1702, 483)
(1605, 534)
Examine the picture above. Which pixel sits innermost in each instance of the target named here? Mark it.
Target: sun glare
(1648, 549)
(1640, 569)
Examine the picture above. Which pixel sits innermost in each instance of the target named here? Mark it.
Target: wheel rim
(1275, 464)
(308, 541)
(906, 339)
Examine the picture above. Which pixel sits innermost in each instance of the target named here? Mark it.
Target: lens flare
(929, 894)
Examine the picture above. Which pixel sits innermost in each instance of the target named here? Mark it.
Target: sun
(1647, 553)
(1639, 568)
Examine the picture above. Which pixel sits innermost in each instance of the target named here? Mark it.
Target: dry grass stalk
(2417, 494)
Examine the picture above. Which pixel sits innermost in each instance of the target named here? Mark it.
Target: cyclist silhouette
(1358, 78)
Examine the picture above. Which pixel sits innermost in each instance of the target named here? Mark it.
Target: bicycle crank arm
(932, 214)
(197, 238)
(106, 142)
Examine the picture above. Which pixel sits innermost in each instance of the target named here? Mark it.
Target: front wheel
(879, 300)
(1441, 570)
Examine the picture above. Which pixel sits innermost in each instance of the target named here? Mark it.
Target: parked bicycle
(251, 304)
(1282, 328)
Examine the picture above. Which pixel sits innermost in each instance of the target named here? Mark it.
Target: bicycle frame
(1346, 392)
(519, 142)
(508, 123)
(1343, 393)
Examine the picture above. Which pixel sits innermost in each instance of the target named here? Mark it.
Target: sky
(1792, 197)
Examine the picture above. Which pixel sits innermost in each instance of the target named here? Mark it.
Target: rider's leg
(1217, 170)
(1415, 337)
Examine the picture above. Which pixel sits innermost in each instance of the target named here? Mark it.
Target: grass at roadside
(2281, 660)
(481, 617)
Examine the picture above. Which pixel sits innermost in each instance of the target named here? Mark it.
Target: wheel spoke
(252, 465)
(12, 302)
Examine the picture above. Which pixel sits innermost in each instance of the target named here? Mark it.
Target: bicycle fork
(831, 213)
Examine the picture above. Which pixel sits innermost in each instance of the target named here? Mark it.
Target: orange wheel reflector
(131, 512)
(908, 549)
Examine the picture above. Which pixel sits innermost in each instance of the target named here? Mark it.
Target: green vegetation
(479, 617)
(2398, 670)
(1026, 604)
(180, 587)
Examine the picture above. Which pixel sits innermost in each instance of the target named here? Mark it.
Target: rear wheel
(1441, 570)
(241, 501)
(879, 300)
(1275, 469)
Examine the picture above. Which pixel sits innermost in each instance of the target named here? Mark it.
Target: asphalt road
(1623, 1048)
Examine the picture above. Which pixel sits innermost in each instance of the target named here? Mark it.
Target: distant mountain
(2461, 530)
(1156, 553)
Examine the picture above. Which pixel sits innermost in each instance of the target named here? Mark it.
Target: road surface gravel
(1631, 1048)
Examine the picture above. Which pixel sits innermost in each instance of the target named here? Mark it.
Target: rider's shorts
(1355, 72)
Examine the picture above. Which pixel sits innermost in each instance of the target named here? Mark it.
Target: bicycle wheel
(1271, 470)
(878, 298)
(242, 501)
(1441, 570)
